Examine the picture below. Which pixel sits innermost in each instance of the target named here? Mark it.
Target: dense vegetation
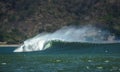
(21, 19)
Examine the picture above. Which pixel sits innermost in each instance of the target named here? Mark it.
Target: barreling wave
(57, 46)
(70, 38)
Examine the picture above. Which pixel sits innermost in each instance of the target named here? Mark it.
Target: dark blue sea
(63, 57)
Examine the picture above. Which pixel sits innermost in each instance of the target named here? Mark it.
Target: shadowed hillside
(22, 19)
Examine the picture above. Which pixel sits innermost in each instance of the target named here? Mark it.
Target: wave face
(70, 34)
(58, 47)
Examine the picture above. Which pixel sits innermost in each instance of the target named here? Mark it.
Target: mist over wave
(68, 34)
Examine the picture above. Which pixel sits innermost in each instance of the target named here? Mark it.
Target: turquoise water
(63, 57)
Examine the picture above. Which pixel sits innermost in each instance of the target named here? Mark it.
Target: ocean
(63, 57)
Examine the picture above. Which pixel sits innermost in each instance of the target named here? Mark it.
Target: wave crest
(67, 34)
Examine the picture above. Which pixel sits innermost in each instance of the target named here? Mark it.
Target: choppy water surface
(35, 62)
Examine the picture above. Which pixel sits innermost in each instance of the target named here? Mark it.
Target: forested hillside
(22, 19)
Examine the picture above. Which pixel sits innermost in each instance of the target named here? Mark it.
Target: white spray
(67, 34)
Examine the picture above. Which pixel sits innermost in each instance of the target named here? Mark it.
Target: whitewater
(84, 34)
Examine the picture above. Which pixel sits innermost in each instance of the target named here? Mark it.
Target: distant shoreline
(12, 45)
